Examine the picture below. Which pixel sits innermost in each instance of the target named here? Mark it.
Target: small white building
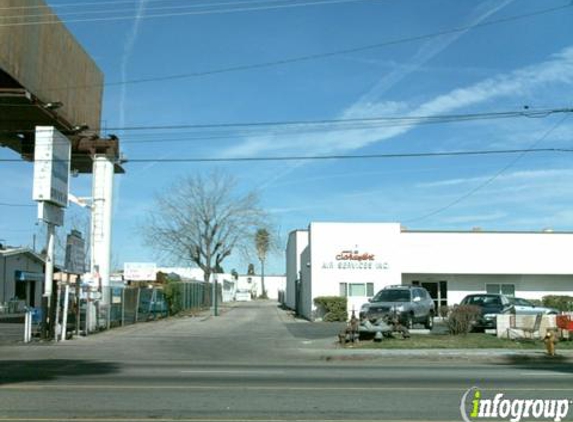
(21, 276)
(358, 259)
(253, 283)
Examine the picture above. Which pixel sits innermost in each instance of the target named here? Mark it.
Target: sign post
(52, 156)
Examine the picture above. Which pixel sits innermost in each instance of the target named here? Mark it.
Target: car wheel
(429, 324)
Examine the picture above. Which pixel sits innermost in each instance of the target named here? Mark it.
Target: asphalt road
(255, 363)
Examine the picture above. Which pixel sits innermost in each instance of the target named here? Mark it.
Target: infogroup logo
(475, 406)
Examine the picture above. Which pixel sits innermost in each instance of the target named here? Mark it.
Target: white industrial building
(358, 259)
(147, 271)
(253, 283)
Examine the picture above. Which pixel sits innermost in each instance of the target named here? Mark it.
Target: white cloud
(475, 219)
(556, 70)
(514, 177)
(431, 49)
(558, 220)
(369, 105)
(559, 69)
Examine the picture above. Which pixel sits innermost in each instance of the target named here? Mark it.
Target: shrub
(172, 292)
(563, 303)
(461, 319)
(444, 311)
(536, 302)
(332, 307)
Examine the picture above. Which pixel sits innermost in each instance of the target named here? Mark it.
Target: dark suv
(490, 306)
(410, 304)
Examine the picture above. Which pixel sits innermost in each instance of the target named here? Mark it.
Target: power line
(54, 20)
(342, 156)
(317, 56)
(82, 4)
(408, 120)
(4, 204)
(329, 157)
(487, 182)
(303, 126)
(171, 8)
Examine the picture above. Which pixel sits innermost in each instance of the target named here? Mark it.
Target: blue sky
(485, 68)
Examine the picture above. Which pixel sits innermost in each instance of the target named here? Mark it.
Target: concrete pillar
(102, 194)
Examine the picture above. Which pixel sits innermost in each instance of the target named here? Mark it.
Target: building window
(357, 289)
(504, 289)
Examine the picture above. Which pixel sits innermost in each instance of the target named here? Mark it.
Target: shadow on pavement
(542, 362)
(14, 371)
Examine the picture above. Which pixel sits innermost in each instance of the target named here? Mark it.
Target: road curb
(500, 355)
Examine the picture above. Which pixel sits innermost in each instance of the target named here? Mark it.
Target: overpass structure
(47, 79)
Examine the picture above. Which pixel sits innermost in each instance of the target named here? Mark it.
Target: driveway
(245, 331)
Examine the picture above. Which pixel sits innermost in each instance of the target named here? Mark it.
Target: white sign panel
(139, 271)
(50, 213)
(52, 156)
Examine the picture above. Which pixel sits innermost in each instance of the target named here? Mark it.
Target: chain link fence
(127, 305)
(130, 305)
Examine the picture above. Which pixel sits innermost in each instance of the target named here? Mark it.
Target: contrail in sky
(367, 103)
(429, 50)
(127, 50)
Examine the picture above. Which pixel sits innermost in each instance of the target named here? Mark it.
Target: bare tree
(202, 219)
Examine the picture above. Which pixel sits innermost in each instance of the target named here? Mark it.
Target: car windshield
(392, 296)
(514, 301)
(483, 300)
(520, 302)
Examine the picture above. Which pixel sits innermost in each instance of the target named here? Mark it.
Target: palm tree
(262, 243)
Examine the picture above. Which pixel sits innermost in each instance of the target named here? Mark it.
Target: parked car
(410, 304)
(525, 307)
(490, 306)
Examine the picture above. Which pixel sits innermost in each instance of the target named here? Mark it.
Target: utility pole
(49, 271)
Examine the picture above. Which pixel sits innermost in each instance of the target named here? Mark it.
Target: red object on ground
(565, 322)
